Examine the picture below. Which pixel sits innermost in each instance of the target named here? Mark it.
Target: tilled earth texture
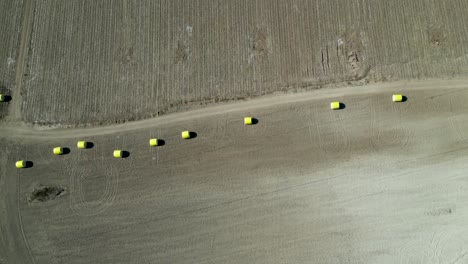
(375, 182)
(10, 27)
(89, 62)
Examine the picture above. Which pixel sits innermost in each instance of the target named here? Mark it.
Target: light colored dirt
(377, 182)
(25, 132)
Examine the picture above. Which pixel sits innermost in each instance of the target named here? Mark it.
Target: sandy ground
(376, 182)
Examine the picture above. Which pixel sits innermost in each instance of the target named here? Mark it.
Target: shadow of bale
(89, 145)
(46, 193)
(125, 154)
(161, 142)
(6, 98)
(404, 98)
(254, 121)
(342, 106)
(193, 134)
(29, 164)
(66, 151)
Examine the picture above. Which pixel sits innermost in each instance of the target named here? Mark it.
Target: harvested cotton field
(10, 26)
(101, 62)
(351, 148)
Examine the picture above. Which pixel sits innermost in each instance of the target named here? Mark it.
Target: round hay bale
(20, 164)
(58, 151)
(186, 134)
(82, 144)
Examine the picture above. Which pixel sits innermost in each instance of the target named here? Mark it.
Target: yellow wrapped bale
(20, 164)
(247, 120)
(397, 98)
(335, 105)
(118, 153)
(82, 144)
(153, 142)
(58, 151)
(186, 134)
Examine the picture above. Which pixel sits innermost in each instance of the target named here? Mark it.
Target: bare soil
(376, 182)
(46, 193)
(87, 65)
(10, 27)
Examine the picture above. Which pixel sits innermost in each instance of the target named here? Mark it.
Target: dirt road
(377, 182)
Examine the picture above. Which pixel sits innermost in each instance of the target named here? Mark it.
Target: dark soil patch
(353, 60)
(260, 45)
(353, 51)
(181, 53)
(436, 36)
(46, 193)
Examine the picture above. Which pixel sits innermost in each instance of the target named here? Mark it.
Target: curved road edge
(26, 132)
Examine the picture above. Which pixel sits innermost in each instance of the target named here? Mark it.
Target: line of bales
(154, 142)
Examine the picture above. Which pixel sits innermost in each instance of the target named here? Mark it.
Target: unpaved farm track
(26, 132)
(377, 182)
(105, 62)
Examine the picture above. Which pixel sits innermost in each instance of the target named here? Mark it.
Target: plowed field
(99, 62)
(10, 27)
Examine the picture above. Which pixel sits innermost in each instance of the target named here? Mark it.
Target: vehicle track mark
(283, 189)
(400, 135)
(77, 173)
(418, 252)
(155, 151)
(455, 124)
(20, 219)
(339, 144)
(217, 135)
(450, 245)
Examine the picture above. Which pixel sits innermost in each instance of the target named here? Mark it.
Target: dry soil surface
(10, 27)
(376, 182)
(86, 63)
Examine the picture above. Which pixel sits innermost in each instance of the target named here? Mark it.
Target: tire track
(450, 246)
(380, 137)
(83, 207)
(455, 124)
(218, 135)
(418, 252)
(77, 181)
(339, 143)
(436, 103)
(41, 151)
(155, 151)
(255, 196)
(20, 219)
